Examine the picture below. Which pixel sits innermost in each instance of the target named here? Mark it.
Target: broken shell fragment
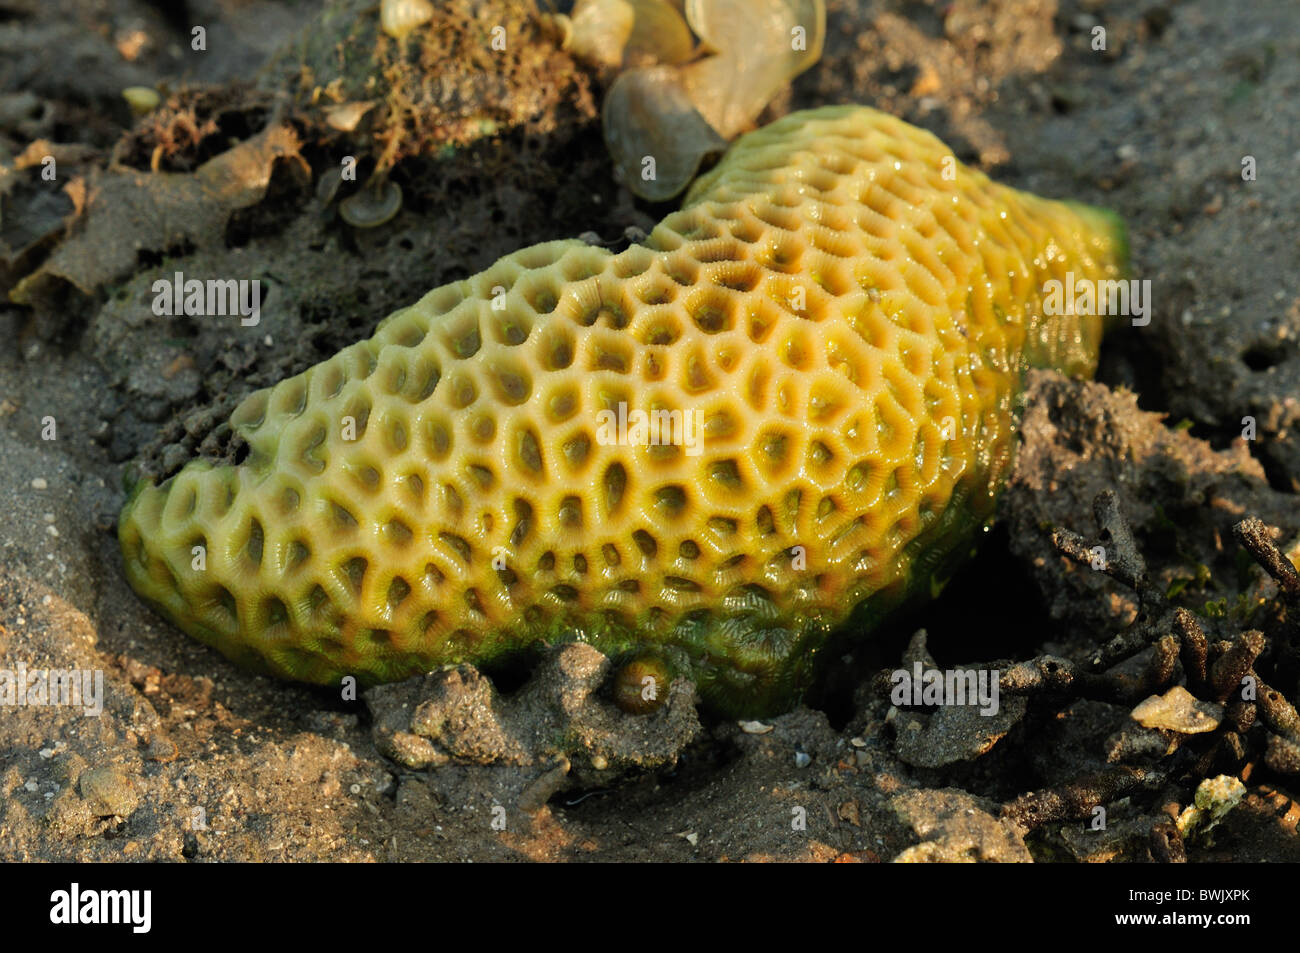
(141, 99)
(345, 116)
(1178, 710)
(626, 33)
(655, 135)
(662, 120)
(726, 25)
(761, 45)
(659, 35)
(599, 31)
(374, 205)
(399, 17)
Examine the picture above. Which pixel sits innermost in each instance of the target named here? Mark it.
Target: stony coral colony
(846, 311)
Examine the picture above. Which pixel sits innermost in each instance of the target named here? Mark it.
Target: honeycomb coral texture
(849, 328)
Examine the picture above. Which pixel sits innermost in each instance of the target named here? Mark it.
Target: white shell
(399, 17)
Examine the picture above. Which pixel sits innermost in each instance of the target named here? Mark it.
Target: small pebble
(802, 759)
(161, 749)
(39, 483)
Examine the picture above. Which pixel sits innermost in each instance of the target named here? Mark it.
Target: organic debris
(408, 78)
(131, 212)
(1220, 677)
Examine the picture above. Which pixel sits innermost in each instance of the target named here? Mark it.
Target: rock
(1138, 744)
(456, 715)
(1283, 755)
(108, 792)
(954, 733)
(462, 715)
(1121, 840)
(956, 828)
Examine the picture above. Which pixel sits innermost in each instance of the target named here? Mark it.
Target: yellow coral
(846, 312)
